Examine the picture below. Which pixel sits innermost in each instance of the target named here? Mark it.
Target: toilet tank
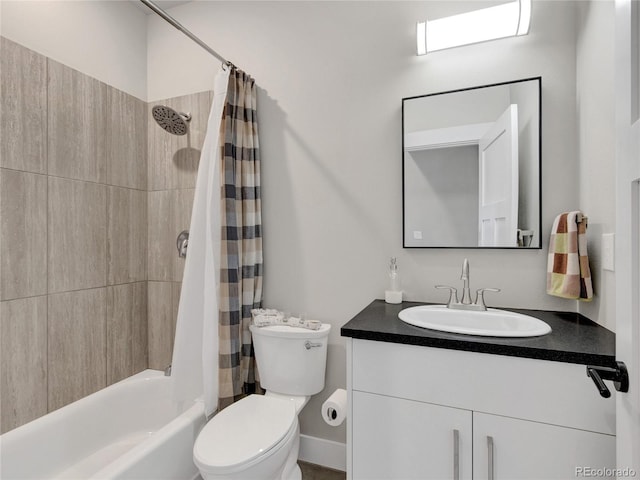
(291, 360)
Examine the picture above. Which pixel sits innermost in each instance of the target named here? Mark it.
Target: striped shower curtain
(241, 230)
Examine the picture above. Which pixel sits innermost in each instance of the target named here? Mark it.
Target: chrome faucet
(466, 304)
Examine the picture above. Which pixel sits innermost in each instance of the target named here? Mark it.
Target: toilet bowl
(251, 439)
(258, 437)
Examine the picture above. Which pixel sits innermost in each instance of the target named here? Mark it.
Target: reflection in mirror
(471, 167)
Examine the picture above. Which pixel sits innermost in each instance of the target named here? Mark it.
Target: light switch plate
(608, 251)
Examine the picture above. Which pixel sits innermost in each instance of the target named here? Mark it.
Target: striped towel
(568, 274)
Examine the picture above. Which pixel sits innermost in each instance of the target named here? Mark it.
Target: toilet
(258, 437)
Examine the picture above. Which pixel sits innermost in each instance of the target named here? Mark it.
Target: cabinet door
(536, 451)
(396, 439)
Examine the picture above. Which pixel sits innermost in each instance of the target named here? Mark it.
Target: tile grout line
(47, 174)
(81, 290)
(46, 156)
(106, 259)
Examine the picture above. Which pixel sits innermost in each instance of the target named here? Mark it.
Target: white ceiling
(163, 4)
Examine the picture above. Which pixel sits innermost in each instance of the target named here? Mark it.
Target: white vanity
(432, 405)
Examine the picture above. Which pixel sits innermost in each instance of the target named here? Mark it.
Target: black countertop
(573, 339)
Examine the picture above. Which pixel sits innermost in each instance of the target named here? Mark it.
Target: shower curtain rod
(172, 21)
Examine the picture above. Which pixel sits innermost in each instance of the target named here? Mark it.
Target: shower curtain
(241, 258)
(222, 280)
(195, 348)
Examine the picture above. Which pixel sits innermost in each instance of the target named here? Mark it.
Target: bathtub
(130, 430)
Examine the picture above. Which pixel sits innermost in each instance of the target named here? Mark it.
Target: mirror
(471, 167)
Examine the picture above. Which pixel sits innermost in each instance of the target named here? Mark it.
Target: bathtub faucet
(167, 371)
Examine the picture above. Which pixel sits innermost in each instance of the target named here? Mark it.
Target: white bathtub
(130, 430)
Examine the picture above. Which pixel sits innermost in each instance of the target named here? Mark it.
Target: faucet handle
(453, 293)
(480, 296)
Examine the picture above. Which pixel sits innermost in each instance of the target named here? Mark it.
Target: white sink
(492, 323)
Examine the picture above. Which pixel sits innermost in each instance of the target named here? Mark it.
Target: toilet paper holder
(334, 409)
(332, 413)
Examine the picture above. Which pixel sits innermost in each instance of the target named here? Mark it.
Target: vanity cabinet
(433, 413)
(508, 448)
(394, 438)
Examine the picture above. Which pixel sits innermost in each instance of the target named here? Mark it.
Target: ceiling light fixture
(501, 21)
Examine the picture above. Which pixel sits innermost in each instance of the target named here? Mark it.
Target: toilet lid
(243, 431)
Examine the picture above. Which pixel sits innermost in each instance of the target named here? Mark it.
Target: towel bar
(619, 375)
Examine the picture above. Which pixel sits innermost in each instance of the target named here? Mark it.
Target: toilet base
(297, 473)
(273, 467)
(291, 470)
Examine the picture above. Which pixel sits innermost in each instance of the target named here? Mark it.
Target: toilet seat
(244, 433)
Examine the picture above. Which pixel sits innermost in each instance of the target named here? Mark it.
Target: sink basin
(492, 323)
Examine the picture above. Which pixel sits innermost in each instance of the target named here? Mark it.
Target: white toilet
(259, 436)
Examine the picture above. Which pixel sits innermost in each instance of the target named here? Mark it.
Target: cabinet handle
(490, 459)
(456, 455)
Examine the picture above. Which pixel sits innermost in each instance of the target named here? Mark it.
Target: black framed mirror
(471, 167)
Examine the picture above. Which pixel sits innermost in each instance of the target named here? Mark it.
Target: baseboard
(323, 452)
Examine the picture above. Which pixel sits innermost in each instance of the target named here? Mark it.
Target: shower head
(173, 122)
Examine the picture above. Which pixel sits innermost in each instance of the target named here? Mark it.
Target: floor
(316, 472)
(311, 471)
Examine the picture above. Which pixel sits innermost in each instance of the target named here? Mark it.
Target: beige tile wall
(24, 90)
(77, 235)
(92, 198)
(77, 123)
(77, 343)
(73, 235)
(23, 249)
(127, 337)
(23, 367)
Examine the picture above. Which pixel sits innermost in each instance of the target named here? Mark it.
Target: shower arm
(172, 21)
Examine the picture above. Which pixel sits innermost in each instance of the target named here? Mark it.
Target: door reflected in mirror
(471, 167)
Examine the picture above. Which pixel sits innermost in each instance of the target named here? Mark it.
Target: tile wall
(92, 198)
(73, 235)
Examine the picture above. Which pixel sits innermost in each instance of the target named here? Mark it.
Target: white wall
(103, 39)
(596, 145)
(331, 77)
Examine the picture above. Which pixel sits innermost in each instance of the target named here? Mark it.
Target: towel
(568, 273)
(265, 317)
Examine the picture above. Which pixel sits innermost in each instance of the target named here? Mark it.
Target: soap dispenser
(394, 294)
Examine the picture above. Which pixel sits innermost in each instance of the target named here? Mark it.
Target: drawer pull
(490, 458)
(456, 455)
